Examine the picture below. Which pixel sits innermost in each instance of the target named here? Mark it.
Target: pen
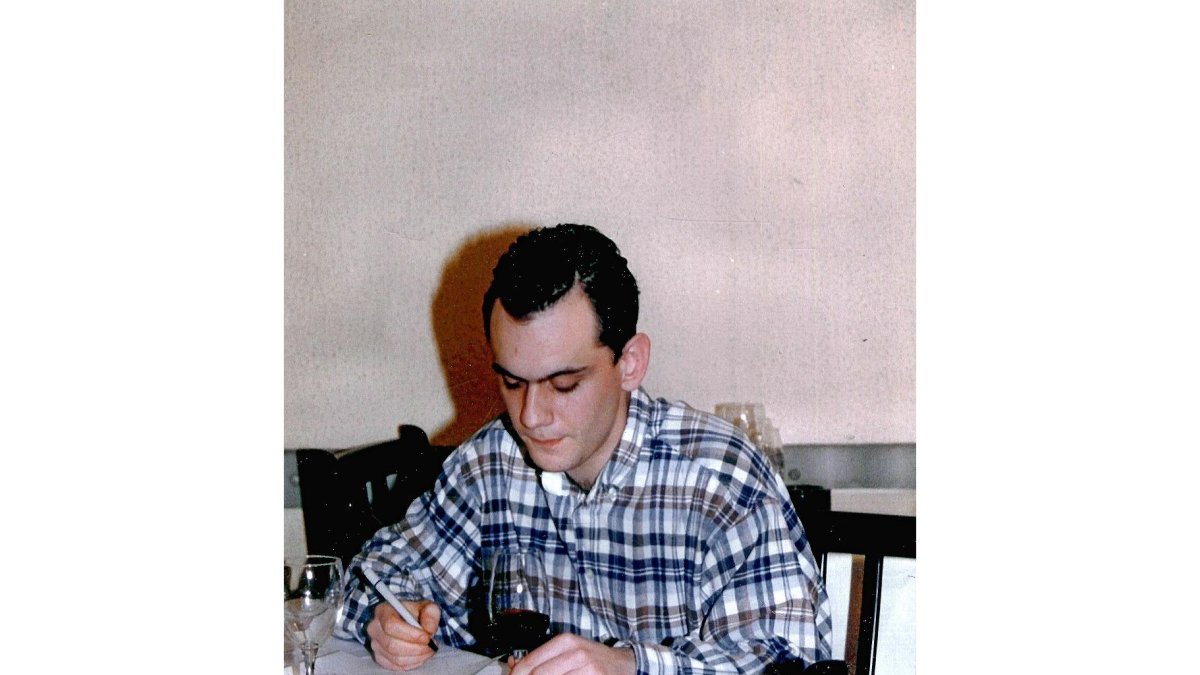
(373, 581)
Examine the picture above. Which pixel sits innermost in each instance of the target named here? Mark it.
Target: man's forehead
(558, 340)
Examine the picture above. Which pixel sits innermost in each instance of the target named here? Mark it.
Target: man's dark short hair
(543, 264)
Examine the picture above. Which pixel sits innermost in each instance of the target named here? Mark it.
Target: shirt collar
(635, 439)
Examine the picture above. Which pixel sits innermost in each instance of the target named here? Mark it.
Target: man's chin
(550, 458)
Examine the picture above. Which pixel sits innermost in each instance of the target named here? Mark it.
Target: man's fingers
(395, 644)
(395, 626)
(430, 616)
(568, 653)
(555, 648)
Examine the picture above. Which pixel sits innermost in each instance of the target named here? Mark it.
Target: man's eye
(565, 388)
(510, 384)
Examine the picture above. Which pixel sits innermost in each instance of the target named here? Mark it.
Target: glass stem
(310, 660)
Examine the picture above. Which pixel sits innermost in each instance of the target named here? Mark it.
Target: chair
(869, 539)
(348, 494)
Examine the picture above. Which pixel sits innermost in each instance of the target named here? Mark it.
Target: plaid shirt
(686, 549)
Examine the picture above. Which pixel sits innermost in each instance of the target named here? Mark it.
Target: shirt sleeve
(431, 553)
(763, 598)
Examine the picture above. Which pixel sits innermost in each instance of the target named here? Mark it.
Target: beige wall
(753, 160)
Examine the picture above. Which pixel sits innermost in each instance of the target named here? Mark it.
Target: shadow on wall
(458, 329)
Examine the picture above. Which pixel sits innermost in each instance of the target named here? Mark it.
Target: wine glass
(312, 600)
(518, 603)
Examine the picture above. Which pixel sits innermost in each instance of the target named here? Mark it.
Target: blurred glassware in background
(772, 444)
(752, 419)
(745, 416)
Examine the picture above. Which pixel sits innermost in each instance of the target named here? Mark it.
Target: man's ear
(634, 361)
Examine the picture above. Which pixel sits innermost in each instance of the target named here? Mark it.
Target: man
(669, 543)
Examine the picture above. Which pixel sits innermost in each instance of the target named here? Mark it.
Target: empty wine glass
(518, 606)
(312, 600)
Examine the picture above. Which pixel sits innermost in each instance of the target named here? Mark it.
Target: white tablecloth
(343, 657)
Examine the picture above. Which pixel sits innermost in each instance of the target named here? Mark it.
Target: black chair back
(348, 494)
(873, 537)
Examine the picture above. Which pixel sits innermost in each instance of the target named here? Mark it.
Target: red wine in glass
(521, 629)
(517, 602)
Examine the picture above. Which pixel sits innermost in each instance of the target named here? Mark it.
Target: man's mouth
(549, 443)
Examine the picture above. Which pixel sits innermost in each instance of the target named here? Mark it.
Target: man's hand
(568, 653)
(397, 645)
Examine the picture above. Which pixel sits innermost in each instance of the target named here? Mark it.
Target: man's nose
(535, 409)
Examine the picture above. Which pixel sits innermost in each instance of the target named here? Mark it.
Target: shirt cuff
(654, 659)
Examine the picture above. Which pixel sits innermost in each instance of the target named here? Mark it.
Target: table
(346, 657)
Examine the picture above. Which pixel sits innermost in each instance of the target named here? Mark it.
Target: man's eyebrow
(558, 373)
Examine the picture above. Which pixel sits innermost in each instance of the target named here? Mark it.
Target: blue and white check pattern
(687, 548)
